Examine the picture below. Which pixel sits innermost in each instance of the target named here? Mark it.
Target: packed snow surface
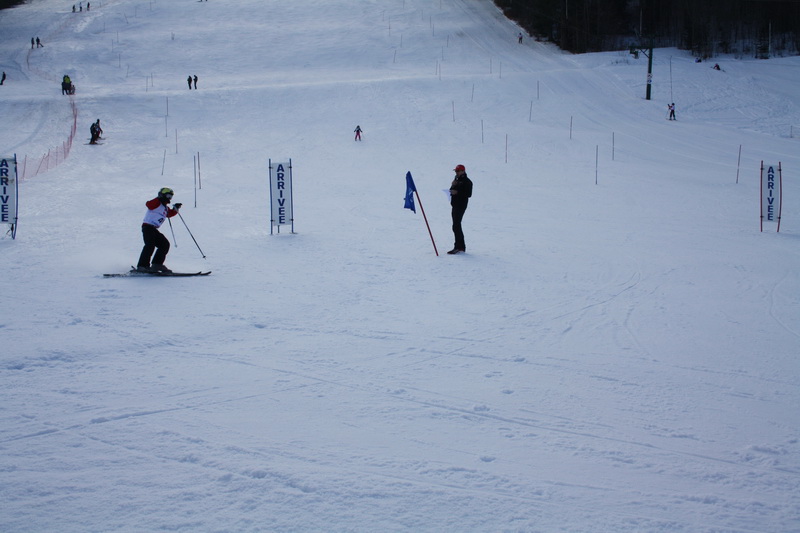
(618, 350)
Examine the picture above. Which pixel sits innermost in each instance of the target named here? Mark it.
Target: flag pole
(426, 221)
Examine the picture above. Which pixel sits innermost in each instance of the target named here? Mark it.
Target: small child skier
(158, 210)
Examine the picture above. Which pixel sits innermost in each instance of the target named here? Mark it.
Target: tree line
(10, 3)
(746, 28)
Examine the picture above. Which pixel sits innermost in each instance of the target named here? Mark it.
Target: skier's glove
(177, 206)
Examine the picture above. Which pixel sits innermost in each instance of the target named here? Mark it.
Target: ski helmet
(165, 193)
(460, 168)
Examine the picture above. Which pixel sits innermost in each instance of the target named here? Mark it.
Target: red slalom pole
(426, 221)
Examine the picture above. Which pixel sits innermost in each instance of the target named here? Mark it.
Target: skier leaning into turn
(158, 210)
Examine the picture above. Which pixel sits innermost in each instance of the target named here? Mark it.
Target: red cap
(460, 167)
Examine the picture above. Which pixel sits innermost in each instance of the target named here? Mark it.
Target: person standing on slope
(358, 133)
(460, 193)
(158, 210)
(671, 108)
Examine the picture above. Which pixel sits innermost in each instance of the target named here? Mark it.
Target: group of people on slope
(66, 85)
(159, 211)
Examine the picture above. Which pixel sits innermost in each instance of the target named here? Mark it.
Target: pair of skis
(133, 273)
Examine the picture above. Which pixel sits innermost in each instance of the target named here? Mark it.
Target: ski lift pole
(647, 51)
(650, 69)
(190, 234)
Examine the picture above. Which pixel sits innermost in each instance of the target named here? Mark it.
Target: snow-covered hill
(617, 351)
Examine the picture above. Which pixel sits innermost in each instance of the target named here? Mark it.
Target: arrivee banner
(771, 195)
(280, 194)
(9, 189)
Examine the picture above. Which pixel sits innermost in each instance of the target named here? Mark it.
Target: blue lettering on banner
(280, 178)
(281, 187)
(5, 197)
(770, 191)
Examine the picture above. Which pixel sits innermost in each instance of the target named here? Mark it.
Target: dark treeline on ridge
(746, 28)
(10, 3)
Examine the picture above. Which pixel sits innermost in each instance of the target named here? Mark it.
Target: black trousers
(458, 214)
(153, 241)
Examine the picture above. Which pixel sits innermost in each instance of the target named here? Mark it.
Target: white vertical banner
(771, 195)
(280, 194)
(9, 193)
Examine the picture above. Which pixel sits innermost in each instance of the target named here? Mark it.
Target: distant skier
(158, 211)
(716, 66)
(358, 133)
(519, 38)
(96, 131)
(33, 43)
(189, 81)
(39, 43)
(460, 193)
(195, 81)
(88, 6)
(66, 85)
(671, 108)
(3, 79)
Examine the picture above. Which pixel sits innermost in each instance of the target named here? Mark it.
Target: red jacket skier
(158, 210)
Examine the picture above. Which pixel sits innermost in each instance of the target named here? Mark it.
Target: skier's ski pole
(173, 233)
(192, 236)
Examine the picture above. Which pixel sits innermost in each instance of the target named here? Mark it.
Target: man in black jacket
(460, 193)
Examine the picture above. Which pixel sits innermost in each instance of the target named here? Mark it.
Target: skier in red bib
(158, 210)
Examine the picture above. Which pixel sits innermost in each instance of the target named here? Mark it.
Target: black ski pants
(153, 241)
(458, 214)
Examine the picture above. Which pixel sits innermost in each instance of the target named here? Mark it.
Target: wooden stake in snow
(596, 159)
(613, 145)
(738, 163)
(194, 160)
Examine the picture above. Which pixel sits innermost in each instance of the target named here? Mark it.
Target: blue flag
(410, 190)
